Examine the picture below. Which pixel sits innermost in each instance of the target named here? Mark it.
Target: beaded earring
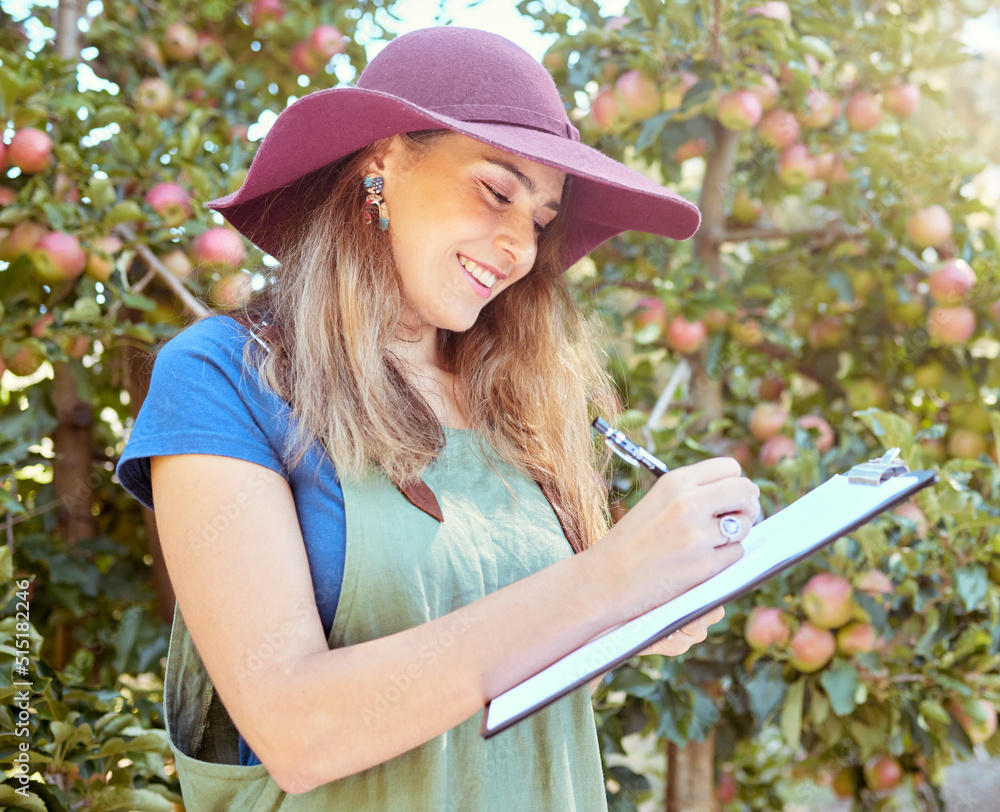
(373, 185)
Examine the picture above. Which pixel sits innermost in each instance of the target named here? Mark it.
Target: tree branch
(171, 281)
(830, 233)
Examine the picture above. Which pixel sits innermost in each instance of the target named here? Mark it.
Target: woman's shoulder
(213, 337)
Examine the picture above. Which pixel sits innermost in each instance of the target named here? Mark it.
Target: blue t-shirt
(202, 400)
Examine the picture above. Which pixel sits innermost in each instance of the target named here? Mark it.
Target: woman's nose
(517, 238)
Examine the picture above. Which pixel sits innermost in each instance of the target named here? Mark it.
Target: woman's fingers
(687, 636)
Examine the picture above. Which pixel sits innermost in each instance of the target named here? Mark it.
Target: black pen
(627, 450)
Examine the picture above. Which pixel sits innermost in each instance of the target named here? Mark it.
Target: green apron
(402, 568)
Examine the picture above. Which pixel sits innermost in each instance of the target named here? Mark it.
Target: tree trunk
(138, 365)
(72, 474)
(691, 776)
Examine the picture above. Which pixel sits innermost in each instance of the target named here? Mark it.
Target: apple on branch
(929, 227)
(30, 150)
(171, 202)
(58, 257)
(638, 96)
(219, 247)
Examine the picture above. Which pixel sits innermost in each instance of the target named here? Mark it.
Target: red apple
(863, 111)
(778, 129)
(178, 263)
(765, 627)
(766, 91)
(929, 227)
(771, 387)
(171, 202)
(767, 420)
(686, 336)
(22, 238)
(155, 96)
(856, 638)
(326, 41)
(819, 111)
(826, 332)
(99, 260)
(25, 359)
(219, 247)
(7, 195)
(231, 290)
(40, 326)
(58, 257)
(773, 9)
(180, 42)
(739, 110)
(828, 600)
(912, 512)
(303, 60)
(694, 148)
(824, 431)
(901, 99)
(150, 50)
(811, 648)
(979, 722)
(882, 773)
(951, 325)
(604, 109)
(951, 281)
(796, 167)
(30, 150)
(845, 783)
(777, 449)
(265, 11)
(638, 96)
(875, 582)
(650, 310)
(747, 331)
(966, 443)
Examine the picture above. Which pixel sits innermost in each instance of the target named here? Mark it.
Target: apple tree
(121, 119)
(841, 297)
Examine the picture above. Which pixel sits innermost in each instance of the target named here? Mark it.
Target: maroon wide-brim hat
(475, 83)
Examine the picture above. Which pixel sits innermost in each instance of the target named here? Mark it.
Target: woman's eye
(496, 194)
(540, 230)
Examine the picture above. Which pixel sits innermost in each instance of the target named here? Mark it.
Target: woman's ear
(384, 156)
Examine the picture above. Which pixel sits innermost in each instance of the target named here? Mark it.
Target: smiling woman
(370, 484)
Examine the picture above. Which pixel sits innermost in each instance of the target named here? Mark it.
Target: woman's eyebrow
(523, 179)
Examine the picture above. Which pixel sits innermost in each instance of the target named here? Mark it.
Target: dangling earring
(373, 185)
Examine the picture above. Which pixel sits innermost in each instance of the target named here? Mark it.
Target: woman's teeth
(481, 276)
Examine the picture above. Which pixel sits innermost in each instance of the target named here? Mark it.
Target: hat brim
(608, 197)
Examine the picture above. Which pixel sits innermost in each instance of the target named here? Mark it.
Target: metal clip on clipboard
(875, 472)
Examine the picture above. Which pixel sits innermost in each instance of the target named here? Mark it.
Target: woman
(370, 486)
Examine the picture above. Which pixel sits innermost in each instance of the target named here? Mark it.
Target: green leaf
(765, 690)
(841, 685)
(113, 798)
(791, 713)
(971, 584)
(10, 797)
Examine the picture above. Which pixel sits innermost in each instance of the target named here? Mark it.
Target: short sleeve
(202, 400)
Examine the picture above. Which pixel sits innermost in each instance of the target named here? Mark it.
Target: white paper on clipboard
(818, 518)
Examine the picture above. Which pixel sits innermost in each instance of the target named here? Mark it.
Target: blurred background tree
(842, 296)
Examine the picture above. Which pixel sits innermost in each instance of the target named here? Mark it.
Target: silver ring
(730, 527)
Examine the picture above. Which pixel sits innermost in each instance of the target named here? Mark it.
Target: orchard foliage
(107, 248)
(841, 297)
(814, 320)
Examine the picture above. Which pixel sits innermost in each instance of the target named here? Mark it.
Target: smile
(481, 275)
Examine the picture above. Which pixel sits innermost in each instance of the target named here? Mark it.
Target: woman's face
(464, 219)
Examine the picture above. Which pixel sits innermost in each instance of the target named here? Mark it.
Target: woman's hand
(671, 540)
(682, 639)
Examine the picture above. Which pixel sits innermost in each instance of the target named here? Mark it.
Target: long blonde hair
(527, 368)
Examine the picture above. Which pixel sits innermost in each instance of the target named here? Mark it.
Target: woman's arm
(238, 565)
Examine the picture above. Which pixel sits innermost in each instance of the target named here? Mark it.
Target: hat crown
(469, 75)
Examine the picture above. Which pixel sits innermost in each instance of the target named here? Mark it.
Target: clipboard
(841, 504)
